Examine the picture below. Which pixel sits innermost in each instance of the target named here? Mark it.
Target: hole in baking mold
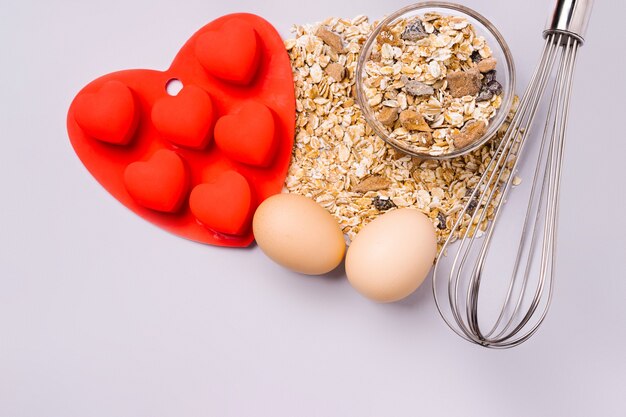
(173, 86)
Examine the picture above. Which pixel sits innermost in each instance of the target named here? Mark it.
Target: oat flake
(331, 159)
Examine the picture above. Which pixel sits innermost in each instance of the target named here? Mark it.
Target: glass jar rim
(508, 94)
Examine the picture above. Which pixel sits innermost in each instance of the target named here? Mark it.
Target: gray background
(103, 314)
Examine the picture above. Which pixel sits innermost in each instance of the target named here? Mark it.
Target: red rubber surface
(151, 150)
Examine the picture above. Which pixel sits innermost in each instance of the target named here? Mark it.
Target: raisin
(495, 87)
(490, 87)
(489, 77)
(472, 206)
(484, 94)
(475, 56)
(442, 220)
(382, 204)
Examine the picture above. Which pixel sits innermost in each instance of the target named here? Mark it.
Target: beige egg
(392, 255)
(298, 234)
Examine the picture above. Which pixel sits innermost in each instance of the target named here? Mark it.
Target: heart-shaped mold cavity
(108, 115)
(247, 135)
(230, 53)
(224, 204)
(185, 119)
(160, 184)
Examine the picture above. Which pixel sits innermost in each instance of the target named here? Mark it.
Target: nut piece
(412, 120)
(336, 71)
(373, 183)
(331, 39)
(470, 133)
(425, 138)
(388, 116)
(487, 64)
(386, 36)
(418, 89)
(464, 83)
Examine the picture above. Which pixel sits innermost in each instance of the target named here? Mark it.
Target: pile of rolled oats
(338, 160)
(431, 83)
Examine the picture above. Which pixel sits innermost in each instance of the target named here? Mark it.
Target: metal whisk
(528, 291)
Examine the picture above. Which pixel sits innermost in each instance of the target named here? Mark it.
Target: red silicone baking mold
(197, 163)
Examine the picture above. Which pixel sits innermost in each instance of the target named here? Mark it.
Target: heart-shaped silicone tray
(197, 163)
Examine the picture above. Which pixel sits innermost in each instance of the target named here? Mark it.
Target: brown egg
(298, 234)
(392, 255)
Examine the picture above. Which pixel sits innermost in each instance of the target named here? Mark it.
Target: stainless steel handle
(570, 17)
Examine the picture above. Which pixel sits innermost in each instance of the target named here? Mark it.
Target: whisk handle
(570, 17)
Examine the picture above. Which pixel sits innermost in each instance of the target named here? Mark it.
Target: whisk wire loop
(525, 305)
